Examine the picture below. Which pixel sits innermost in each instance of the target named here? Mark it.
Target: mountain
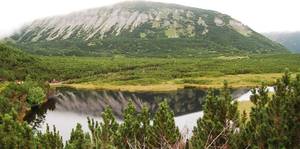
(291, 40)
(142, 29)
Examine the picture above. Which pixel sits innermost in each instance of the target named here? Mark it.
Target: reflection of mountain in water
(92, 103)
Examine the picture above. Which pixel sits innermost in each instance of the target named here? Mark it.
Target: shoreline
(145, 88)
(234, 81)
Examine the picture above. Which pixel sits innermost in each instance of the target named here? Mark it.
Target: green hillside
(17, 65)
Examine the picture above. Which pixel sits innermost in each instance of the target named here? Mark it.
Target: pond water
(68, 106)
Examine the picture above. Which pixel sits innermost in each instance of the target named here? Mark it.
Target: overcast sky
(260, 15)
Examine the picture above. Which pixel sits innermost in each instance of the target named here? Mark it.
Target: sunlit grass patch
(245, 106)
(3, 85)
(157, 84)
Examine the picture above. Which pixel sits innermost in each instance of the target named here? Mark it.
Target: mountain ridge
(117, 29)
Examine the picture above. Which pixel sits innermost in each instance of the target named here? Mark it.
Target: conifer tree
(295, 125)
(257, 129)
(78, 139)
(95, 132)
(129, 128)
(49, 139)
(239, 138)
(14, 134)
(283, 115)
(104, 134)
(219, 121)
(144, 131)
(165, 133)
(274, 122)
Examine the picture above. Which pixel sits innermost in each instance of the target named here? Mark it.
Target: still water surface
(69, 106)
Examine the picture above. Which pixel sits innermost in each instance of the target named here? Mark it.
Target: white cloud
(261, 15)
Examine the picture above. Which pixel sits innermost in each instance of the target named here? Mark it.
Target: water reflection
(93, 102)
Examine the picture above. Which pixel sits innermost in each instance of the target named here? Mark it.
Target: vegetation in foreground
(3, 85)
(273, 123)
(21, 96)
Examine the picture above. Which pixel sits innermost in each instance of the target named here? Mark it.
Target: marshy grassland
(161, 74)
(235, 81)
(145, 73)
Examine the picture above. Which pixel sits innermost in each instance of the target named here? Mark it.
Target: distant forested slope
(291, 40)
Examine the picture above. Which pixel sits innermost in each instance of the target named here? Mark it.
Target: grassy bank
(235, 81)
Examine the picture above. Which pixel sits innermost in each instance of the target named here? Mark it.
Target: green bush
(36, 95)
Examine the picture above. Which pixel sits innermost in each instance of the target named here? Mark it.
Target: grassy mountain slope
(142, 29)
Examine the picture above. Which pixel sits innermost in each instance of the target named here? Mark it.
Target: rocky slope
(142, 29)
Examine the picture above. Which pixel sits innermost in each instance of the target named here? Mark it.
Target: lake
(69, 106)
